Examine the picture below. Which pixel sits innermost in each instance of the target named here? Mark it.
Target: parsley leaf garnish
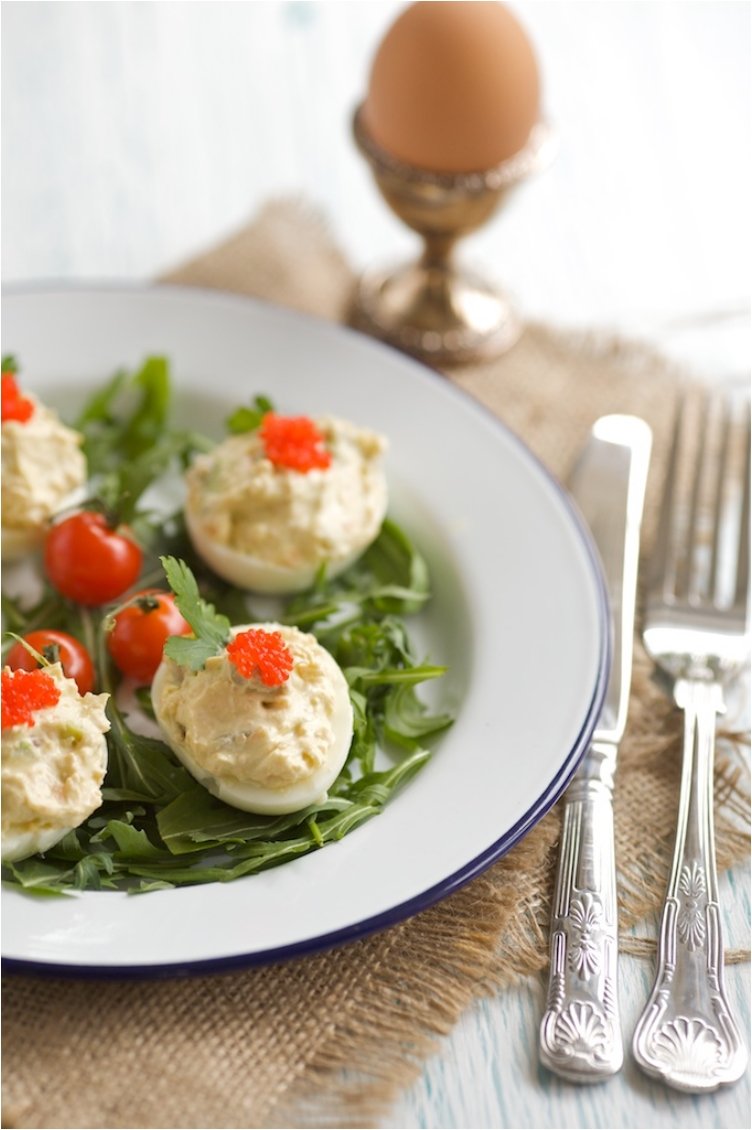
(248, 419)
(211, 627)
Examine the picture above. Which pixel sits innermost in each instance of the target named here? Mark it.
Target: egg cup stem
(438, 249)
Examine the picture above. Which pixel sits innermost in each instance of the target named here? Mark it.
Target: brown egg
(454, 87)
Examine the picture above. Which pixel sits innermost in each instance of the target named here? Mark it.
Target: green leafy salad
(157, 826)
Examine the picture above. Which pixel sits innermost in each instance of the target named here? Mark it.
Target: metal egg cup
(435, 308)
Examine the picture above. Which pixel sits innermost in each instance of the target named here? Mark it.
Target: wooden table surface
(134, 134)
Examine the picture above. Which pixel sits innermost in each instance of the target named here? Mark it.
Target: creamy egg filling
(240, 502)
(42, 465)
(265, 749)
(52, 770)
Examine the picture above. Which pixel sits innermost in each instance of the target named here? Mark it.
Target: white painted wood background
(135, 134)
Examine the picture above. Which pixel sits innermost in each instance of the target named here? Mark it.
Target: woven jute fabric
(329, 1040)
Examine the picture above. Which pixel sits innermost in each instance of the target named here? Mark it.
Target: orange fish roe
(294, 442)
(25, 692)
(15, 406)
(262, 653)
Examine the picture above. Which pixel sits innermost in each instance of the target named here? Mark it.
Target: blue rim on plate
(479, 862)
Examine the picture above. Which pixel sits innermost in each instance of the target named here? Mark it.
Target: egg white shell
(255, 798)
(248, 572)
(23, 844)
(20, 845)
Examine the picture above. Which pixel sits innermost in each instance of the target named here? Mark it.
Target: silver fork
(699, 637)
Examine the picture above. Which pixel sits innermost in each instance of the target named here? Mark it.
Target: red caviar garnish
(15, 406)
(25, 692)
(262, 653)
(293, 442)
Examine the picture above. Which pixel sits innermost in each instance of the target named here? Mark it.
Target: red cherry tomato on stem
(55, 646)
(88, 561)
(137, 640)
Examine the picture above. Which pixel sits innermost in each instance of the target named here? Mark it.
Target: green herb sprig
(128, 440)
(246, 419)
(211, 628)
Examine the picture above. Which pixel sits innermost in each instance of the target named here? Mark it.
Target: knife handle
(580, 1034)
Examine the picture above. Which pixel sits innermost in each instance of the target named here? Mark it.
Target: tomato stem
(147, 603)
(51, 653)
(41, 659)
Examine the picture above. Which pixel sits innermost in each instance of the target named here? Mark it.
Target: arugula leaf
(373, 645)
(377, 788)
(406, 718)
(363, 748)
(143, 698)
(395, 561)
(100, 407)
(196, 820)
(248, 419)
(100, 423)
(390, 579)
(127, 417)
(93, 872)
(35, 874)
(120, 490)
(70, 847)
(140, 768)
(14, 616)
(132, 843)
(127, 439)
(51, 611)
(408, 676)
(151, 885)
(148, 422)
(211, 627)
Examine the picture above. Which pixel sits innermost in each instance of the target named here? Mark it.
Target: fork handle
(686, 1035)
(580, 1033)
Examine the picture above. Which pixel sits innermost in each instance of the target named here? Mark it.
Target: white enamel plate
(518, 615)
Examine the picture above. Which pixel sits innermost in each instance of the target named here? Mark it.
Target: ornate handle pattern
(580, 1035)
(686, 1034)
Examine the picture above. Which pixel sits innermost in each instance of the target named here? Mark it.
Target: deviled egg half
(267, 508)
(43, 468)
(54, 758)
(265, 725)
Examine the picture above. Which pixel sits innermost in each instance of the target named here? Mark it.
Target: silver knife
(580, 1034)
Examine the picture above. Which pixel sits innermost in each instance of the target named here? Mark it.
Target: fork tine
(688, 582)
(718, 508)
(662, 566)
(741, 594)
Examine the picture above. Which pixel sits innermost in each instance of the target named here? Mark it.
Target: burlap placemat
(329, 1040)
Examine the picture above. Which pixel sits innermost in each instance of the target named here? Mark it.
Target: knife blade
(580, 1033)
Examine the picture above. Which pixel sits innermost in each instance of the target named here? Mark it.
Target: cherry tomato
(88, 561)
(137, 640)
(55, 646)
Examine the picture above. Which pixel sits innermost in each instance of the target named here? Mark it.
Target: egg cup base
(441, 313)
